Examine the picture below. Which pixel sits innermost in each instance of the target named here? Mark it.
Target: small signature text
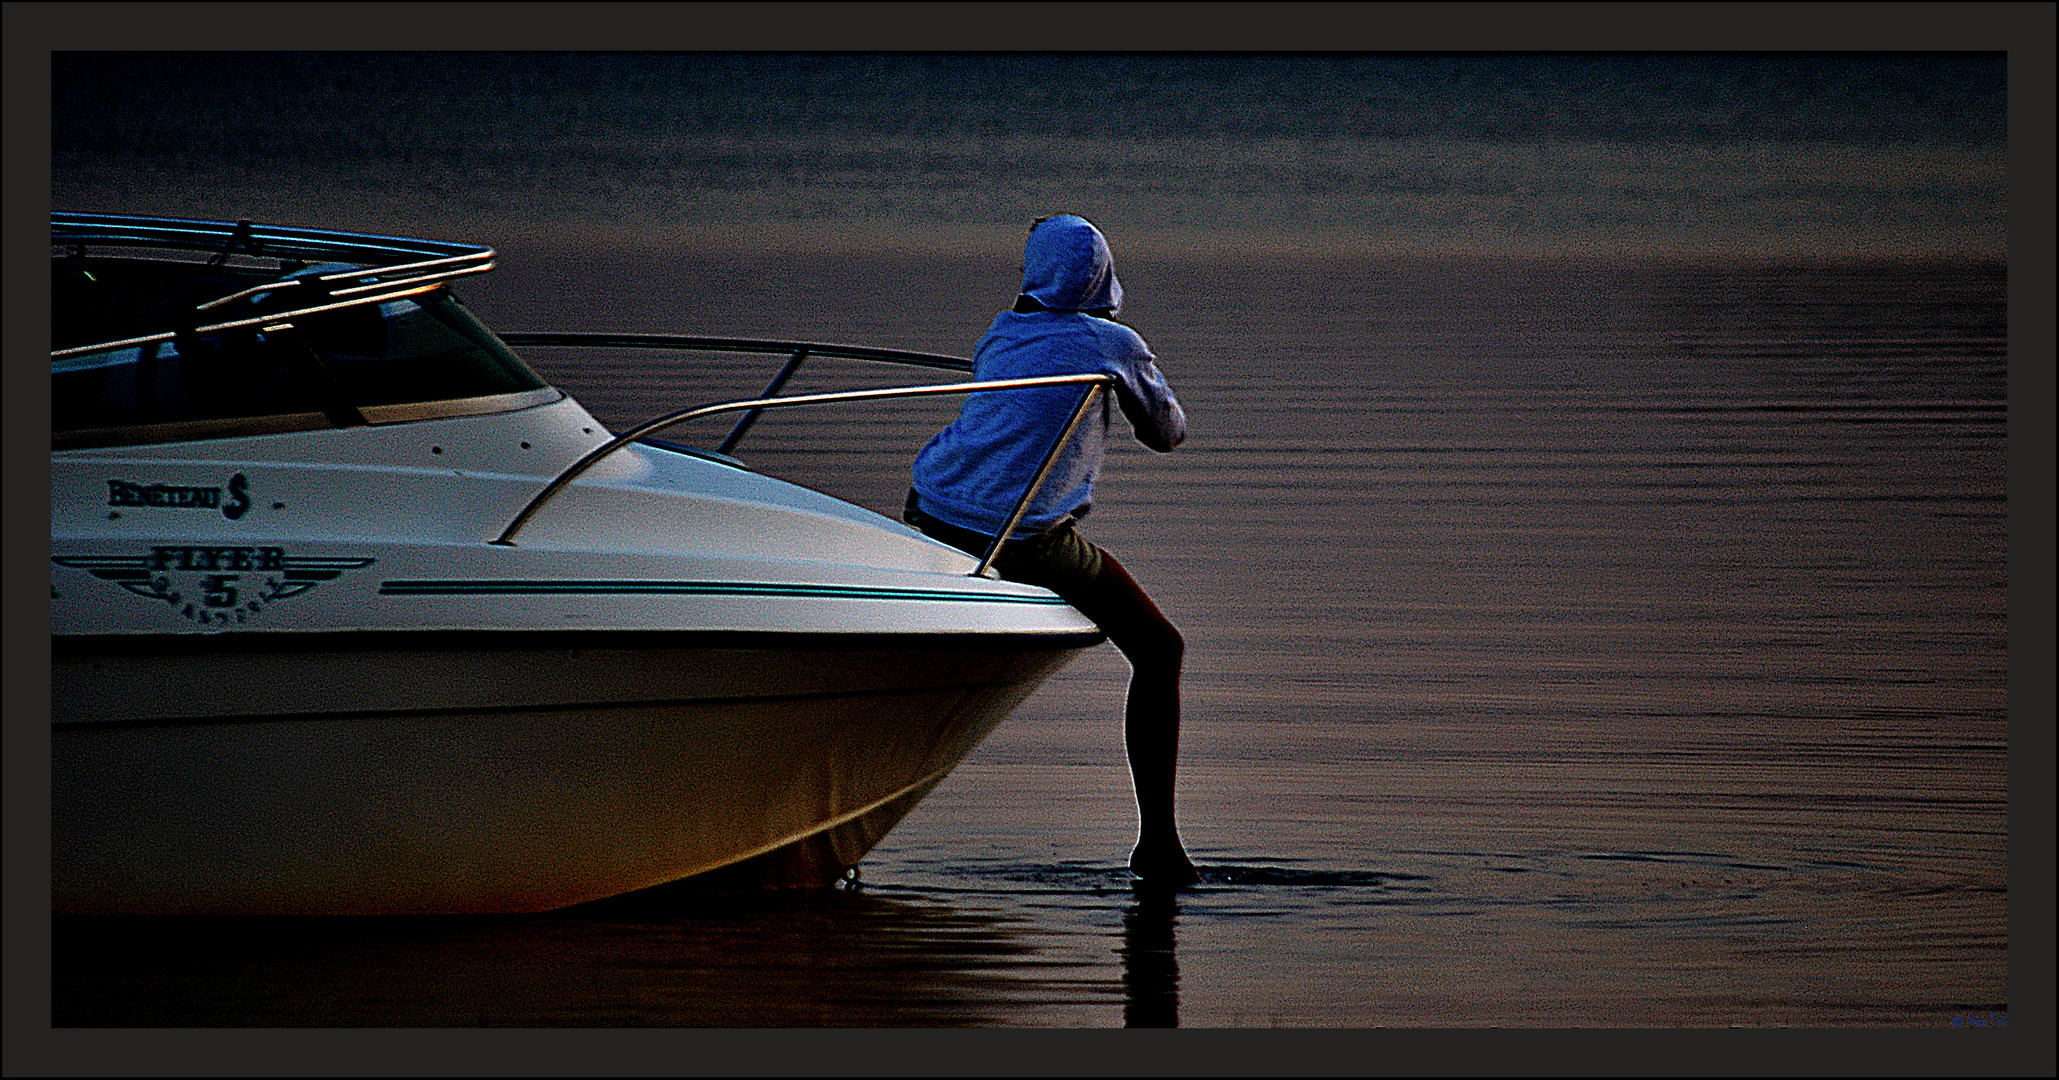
(123, 493)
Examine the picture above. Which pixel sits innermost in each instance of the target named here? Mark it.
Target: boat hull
(499, 772)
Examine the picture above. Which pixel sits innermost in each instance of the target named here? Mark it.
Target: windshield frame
(400, 270)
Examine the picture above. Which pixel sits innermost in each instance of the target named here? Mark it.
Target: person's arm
(1148, 404)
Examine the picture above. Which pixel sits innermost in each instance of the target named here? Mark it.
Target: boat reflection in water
(820, 958)
(767, 958)
(353, 613)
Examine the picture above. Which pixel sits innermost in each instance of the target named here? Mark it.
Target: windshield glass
(425, 348)
(419, 349)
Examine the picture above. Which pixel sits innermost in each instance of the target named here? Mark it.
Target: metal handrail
(428, 263)
(407, 287)
(758, 345)
(799, 351)
(216, 237)
(345, 275)
(1094, 384)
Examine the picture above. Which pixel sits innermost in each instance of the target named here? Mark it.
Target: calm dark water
(1769, 154)
(1570, 644)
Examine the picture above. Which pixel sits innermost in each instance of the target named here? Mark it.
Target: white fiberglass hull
(762, 765)
(293, 673)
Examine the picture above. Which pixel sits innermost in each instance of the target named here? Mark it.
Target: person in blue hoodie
(969, 477)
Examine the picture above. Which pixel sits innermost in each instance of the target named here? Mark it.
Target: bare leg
(1093, 581)
(1151, 716)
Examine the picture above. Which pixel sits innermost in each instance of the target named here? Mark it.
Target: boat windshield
(332, 368)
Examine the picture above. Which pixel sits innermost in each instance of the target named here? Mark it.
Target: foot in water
(1164, 864)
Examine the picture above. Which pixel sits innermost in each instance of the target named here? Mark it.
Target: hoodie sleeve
(1146, 398)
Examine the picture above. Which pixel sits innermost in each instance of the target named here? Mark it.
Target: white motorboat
(353, 613)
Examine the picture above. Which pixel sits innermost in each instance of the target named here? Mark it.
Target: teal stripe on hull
(694, 588)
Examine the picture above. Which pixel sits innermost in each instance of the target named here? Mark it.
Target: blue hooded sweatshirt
(971, 474)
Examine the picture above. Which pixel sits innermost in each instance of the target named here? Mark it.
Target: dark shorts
(1058, 559)
(1094, 582)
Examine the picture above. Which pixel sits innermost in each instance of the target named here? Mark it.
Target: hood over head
(1066, 266)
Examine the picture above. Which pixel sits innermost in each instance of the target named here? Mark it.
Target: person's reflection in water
(1150, 964)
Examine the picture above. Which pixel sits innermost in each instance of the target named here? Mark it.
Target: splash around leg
(1163, 863)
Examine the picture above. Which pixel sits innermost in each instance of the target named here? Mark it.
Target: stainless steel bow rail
(797, 352)
(396, 267)
(1094, 384)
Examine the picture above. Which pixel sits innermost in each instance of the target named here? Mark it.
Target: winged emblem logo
(215, 584)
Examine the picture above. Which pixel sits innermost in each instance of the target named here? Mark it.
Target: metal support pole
(1050, 459)
(736, 434)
